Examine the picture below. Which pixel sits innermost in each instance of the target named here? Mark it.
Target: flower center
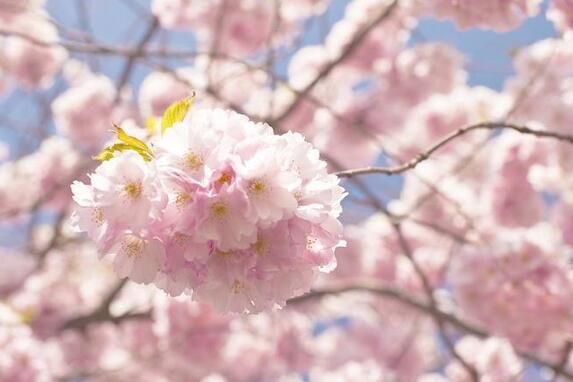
(182, 199)
(226, 177)
(311, 243)
(133, 190)
(297, 195)
(97, 216)
(193, 161)
(180, 239)
(219, 209)
(132, 246)
(237, 286)
(257, 187)
(259, 247)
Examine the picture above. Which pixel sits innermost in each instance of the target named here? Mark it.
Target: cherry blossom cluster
(25, 63)
(41, 177)
(499, 15)
(222, 208)
(245, 26)
(525, 271)
(455, 268)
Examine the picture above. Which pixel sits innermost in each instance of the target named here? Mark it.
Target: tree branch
(147, 36)
(102, 312)
(374, 287)
(396, 170)
(352, 46)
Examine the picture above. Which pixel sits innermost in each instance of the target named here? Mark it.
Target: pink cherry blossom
(24, 358)
(561, 13)
(158, 90)
(32, 65)
(137, 258)
(499, 15)
(171, 206)
(12, 10)
(78, 111)
(17, 266)
(493, 358)
(183, 13)
(206, 210)
(25, 178)
(520, 273)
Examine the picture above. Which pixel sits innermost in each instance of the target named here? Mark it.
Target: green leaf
(176, 112)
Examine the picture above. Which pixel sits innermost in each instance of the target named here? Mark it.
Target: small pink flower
(138, 258)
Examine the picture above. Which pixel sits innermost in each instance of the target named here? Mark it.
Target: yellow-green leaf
(127, 142)
(107, 153)
(131, 141)
(176, 112)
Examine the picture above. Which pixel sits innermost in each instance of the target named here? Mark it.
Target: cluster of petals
(561, 13)
(506, 288)
(242, 27)
(499, 15)
(346, 113)
(25, 358)
(31, 57)
(79, 109)
(493, 358)
(226, 209)
(41, 177)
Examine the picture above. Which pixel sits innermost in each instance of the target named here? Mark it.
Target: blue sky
(116, 21)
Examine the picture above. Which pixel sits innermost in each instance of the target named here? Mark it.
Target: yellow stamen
(297, 195)
(193, 161)
(133, 190)
(97, 216)
(259, 247)
(132, 246)
(310, 242)
(257, 187)
(219, 209)
(223, 253)
(226, 177)
(237, 286)
(182, 199)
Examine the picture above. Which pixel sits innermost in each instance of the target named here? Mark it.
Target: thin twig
(396, 170)
(130, 63)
